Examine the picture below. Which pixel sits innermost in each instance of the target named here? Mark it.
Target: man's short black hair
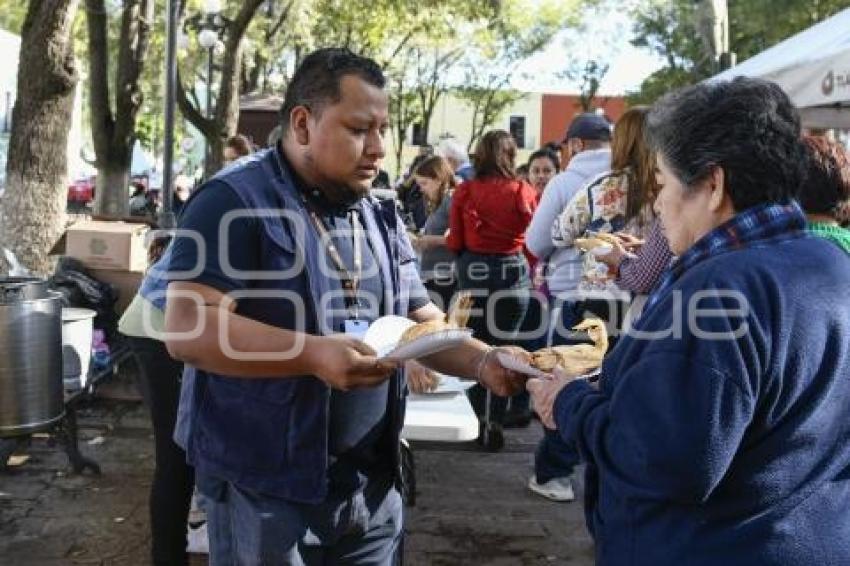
(747, 127)
(316, 80)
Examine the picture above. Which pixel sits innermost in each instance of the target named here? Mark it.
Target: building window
(517, 129)
(418, 135)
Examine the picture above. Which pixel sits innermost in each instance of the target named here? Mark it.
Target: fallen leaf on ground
(17, 460)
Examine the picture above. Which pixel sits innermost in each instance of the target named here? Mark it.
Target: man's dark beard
(342, 194)
(337, 193)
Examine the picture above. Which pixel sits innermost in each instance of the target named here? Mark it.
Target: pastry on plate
(579, 359)
(596, 240)
(457, 318)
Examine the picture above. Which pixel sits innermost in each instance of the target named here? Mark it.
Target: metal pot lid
(17, 289)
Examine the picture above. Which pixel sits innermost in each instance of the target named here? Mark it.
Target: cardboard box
(118, 246)
(125, 282)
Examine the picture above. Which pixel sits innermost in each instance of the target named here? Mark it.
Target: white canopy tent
(813, 67)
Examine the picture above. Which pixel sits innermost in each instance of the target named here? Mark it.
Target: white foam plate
(385, 332)
(602, 250)
(510, 362)
(383, 336)
(428, 344)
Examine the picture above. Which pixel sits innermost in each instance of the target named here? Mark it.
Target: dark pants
(535, 334)
(555, 457)
(173, 479)
(500, 286)
(247, 528)
(441, 291)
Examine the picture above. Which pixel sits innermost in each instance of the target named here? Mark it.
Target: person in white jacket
(587, 150)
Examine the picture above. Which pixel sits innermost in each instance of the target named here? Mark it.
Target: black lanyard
(350, 281)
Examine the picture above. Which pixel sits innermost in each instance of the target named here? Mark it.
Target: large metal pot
(30, 356)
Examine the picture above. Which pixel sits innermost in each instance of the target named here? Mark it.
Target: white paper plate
(510, 362)
(428, 344)
(602, 250)
(385, 332)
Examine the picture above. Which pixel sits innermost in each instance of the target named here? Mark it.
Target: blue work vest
(271, 435)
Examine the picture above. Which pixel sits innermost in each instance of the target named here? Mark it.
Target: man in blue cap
(291, 421)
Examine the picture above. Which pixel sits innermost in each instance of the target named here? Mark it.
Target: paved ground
(472, 507)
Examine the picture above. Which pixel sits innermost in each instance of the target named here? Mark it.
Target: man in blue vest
(291, 421)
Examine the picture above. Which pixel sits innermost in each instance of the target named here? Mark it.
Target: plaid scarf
(759, 224)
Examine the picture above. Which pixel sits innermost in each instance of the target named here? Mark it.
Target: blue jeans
(247, 528)
(555, 457)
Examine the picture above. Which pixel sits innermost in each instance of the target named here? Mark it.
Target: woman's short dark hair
(747, 127)
(827, 185)
(316, 81)
(546, 153)
(495, 155)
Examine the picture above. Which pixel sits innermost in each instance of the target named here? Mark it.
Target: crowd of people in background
(146, 202)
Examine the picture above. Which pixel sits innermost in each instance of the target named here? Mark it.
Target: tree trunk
(114, 135)
(112, 193)
(32, 215)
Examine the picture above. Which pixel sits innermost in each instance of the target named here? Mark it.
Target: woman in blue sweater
(719, 430)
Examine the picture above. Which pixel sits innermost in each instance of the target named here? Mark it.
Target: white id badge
(355, 328)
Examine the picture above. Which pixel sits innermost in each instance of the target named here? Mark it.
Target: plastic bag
(80, 289)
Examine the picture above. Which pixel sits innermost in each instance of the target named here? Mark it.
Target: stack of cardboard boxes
(114, 252)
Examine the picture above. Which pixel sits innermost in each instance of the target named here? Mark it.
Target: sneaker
(197, 541)
(557, 489)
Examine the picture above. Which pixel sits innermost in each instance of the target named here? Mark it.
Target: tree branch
(227, 105)
(191, 112)
(272, 31)
(399, 47)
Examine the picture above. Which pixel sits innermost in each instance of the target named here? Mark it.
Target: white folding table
(440, 417)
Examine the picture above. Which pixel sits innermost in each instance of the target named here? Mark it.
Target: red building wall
(559, 109)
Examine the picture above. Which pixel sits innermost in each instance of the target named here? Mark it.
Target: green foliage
(589, 76)
(488, 103)
(660, 83)
(667, 28)
(12, 15)
(756, 25)
(520, 29)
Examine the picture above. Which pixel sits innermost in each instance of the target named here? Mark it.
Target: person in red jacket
(487, 223)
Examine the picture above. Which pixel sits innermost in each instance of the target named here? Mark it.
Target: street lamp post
(166, 218)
